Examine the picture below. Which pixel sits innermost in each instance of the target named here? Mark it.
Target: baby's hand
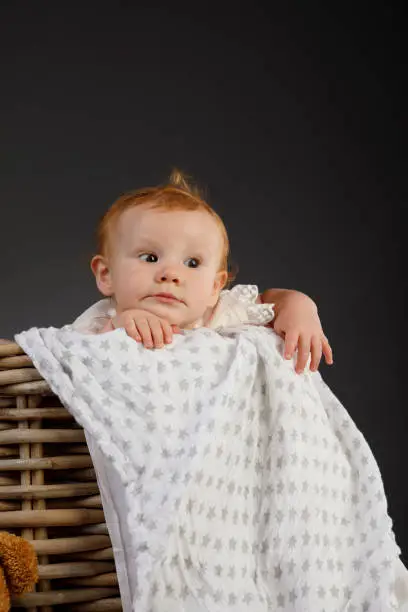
(145, 327)
(298, 323)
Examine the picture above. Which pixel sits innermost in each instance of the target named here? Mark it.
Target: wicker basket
(49, 494)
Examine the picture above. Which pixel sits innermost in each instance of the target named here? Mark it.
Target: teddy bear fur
(18, 568)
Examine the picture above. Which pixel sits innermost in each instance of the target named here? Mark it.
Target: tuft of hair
(183, 181)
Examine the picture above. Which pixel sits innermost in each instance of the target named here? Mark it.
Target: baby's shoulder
(94, 318)
(239, 306)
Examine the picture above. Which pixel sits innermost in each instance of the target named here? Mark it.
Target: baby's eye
(194, 261)
(148, 257)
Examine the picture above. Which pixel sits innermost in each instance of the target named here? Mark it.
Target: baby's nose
(169, 274)
(170, 278)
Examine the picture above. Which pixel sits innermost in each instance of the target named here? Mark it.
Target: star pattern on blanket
(200, 467)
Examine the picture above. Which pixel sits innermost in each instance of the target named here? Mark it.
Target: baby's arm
(279, 297)
(297, 322)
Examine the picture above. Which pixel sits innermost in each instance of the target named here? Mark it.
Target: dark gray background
(291, 117)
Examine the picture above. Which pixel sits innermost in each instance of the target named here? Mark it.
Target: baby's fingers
(131, 330)
(327, 350)
(167, 331)
(303, 354)
(144, 330)
(156, 333)
(316, 351)
(291, 341)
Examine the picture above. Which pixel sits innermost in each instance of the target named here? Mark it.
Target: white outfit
(228, 481)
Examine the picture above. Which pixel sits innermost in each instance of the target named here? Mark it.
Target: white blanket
(247, 486)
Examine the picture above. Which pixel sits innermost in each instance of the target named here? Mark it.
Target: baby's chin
(174, 313)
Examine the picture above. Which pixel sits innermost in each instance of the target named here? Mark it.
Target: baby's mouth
(168, 298)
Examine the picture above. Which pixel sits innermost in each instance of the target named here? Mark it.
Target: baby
(163, 262)
(275, 460)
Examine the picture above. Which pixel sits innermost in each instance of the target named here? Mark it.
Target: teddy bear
(18, 568)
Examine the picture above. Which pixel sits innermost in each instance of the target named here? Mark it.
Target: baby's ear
(100, 268)
(221, 280)
(219, 283)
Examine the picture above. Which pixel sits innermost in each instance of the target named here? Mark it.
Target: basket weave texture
(49, 494)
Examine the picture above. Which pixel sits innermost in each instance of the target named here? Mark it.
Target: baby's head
(163, 240)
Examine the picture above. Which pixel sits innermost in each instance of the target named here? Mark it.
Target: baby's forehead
(163, 224)
(146, 214)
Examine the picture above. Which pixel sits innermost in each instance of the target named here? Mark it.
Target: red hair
(177, 194)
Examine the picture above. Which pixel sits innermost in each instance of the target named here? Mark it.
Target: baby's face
(155, 252)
